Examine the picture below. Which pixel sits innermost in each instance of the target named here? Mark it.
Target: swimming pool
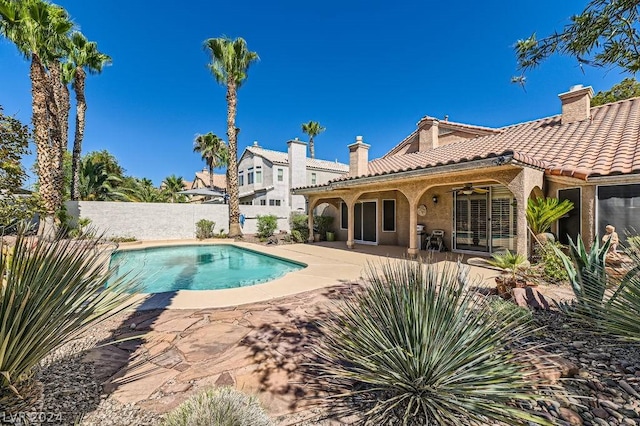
(199, 267)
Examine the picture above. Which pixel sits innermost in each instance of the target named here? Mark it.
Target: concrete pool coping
(328, 264)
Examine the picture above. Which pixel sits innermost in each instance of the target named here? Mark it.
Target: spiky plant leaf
(543, 212)
(416, 348)
(51, 291)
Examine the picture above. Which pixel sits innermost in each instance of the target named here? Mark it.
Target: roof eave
(428, 170)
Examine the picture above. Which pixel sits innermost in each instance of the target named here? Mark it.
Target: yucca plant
(51, 291)
(416, 348)
(222, 406)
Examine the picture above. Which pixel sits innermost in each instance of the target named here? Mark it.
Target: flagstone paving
(258, 348)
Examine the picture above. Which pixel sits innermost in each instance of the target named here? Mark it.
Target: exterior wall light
(435, 199)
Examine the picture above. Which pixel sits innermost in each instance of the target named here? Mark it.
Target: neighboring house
(474, 182)
(265, 177)
(202, 180)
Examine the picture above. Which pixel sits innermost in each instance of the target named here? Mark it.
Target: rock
(570, 416)
(529, 297)
(600, 413)
(225, 379)
(628, 389)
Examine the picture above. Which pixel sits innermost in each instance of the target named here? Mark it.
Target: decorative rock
(225, 379)
(570, 416)
(600, 413)
(628, 389)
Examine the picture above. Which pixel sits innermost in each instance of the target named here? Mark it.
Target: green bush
(222, 406)
(416, 348)
(204, 229)
(552, 268)
(267, 224)
(510, 262)
(297, 236)
(51, 291)
(123, 239)
(322, 224)
(299, 222)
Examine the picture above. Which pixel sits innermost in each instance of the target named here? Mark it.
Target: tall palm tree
(173, 185)
(83, 55)
(213, 151)
(230, 61)
(313, 129)
(40, 30)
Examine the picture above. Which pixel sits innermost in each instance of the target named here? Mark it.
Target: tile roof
(202, 179)
(607, 144)
(279, 157)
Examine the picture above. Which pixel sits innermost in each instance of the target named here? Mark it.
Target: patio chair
(435, 241)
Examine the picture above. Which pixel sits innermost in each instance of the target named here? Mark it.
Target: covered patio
(479, 204)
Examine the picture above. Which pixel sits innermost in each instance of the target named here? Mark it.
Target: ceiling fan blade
(480, 190)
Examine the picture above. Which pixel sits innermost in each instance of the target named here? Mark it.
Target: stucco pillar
(522, 245)
(413, 249)
(350, 223)
(311, 205)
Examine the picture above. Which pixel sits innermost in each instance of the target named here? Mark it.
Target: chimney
(358, 158)
(576, 104)
(297, 152)
(428, 134)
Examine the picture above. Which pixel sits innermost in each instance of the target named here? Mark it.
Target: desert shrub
(505, 309)
(81, 230)
(508, 261)
(123, 239)
(221, 234)
(297, 236)
(51, 291)
(550, 264)
(223, 406)
(267, 225)
(204, 229)
(416, 348)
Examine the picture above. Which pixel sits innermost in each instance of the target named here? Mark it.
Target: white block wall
(166, 221)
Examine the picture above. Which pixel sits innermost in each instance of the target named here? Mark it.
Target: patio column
(522, 246)
(311, 204)
(350, 223)
(413, 249)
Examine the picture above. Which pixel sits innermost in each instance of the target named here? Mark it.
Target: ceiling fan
(469, 189)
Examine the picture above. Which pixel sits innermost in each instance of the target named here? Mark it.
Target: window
(280, 175)
(388, 215)
(263, 202)
(274, 202)
(240, 179)
(250, 178)
(313, 179)
(258, 176)
(618, 205)
(344, 216)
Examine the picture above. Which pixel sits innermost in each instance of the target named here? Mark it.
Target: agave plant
(586, 271)
(51, 291)
(416, 348)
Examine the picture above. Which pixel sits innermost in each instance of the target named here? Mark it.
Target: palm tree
(173, 185)
(142, 191)
(213, 151)
(230, 61)
(83, 55)
(97, 184)
(39, 30)
(313, 129)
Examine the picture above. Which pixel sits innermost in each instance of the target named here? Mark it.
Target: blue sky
(368, 68)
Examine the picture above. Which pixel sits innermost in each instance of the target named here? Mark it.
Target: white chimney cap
(575, 87)
(255, 143)
(358, 138)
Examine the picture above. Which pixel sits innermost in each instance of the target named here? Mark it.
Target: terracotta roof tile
(606, 144)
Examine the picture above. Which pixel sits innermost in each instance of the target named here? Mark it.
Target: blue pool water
(199, 267)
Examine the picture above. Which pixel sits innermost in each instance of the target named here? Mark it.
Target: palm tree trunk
(232, 168)
(60, 117)
(40, 118)
(81, 108)
(312, 150)
(211, 177)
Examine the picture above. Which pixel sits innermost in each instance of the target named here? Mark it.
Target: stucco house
(473, 182)
(265, 177)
